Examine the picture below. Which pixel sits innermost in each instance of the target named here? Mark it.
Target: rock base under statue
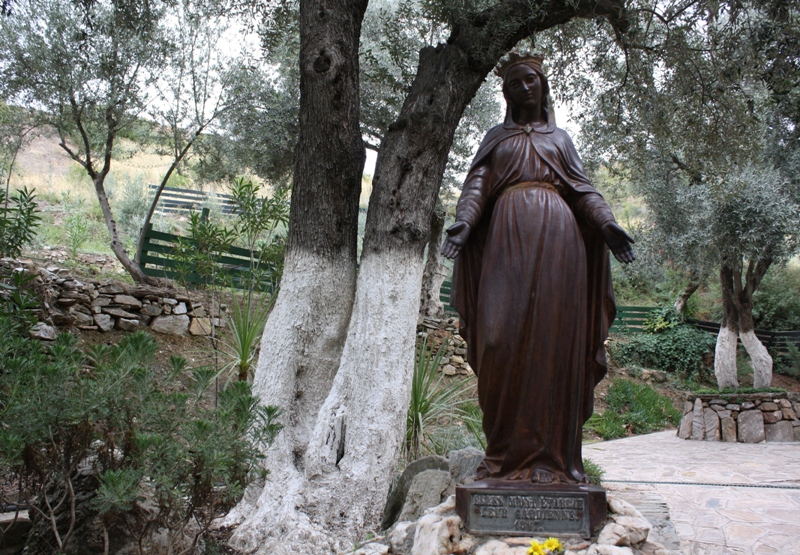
(519, 508)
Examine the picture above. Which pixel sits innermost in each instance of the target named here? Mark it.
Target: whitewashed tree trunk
(739, 280)
(337, 494)
(300, 353)
(303, 341)
(759, 357)
(435, 272)
(725, 358)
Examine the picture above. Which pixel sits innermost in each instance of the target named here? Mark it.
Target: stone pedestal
(518, 508)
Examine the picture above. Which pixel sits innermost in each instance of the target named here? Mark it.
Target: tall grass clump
(245, 324)
(634, 408)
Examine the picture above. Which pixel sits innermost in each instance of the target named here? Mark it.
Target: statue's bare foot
(543, 477)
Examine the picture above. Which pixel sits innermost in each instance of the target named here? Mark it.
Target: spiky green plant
(472, 416)
(431, 400)
(245, 324)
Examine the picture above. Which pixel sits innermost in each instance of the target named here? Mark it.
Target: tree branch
(696, 177)
(758, 272)
(77, 113)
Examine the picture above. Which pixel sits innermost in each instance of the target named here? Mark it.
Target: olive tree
(92, 70)
(198, 85)
(86, 67)
(686, 108)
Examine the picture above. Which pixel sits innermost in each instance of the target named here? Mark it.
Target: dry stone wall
(746, 418)
(104, 305)
(454, 359)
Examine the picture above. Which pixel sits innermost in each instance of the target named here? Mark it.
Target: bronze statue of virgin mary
(532, 285)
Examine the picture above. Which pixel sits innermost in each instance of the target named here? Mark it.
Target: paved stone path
(723, 498)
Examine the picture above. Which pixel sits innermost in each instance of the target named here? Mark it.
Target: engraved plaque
(528, 510)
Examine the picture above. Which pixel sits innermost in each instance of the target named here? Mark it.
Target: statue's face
(523, 87)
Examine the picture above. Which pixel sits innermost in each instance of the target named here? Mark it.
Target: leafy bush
(790, 365)
(76, 224)
(662, 319)
(776, 302)
(17, 304)
(635, 408)
(164, 458)
(19, 217)
(200, 254)
(258, 221)
(680, 349)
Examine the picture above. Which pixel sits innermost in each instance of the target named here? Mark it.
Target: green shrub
(17, 304)
(76, 224)
(744, 368)
(634, 408)
(165, 455)
(19, 217)
(662, 319)
(776, 302)
(790, 365)
(678, 349)
(131, 204)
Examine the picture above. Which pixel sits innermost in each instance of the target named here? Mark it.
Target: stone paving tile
(699, 548)
(709, 535)
(741, 515)
(741, 534)
(778, 541)
(711, 521)
(759, 549)
(723, 518)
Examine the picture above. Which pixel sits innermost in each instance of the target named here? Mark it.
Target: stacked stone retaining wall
(104, 305)
(746, 418)
(438, 331)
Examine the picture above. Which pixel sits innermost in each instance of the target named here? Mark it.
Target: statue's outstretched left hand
(619, 242)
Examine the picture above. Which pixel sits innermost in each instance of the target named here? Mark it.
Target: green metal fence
(156, 261)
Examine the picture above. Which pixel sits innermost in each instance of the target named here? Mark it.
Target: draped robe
(533, 291)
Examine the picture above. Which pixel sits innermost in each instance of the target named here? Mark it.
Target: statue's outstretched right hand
(456, 238)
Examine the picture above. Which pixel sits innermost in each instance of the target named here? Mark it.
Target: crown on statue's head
(514, 58)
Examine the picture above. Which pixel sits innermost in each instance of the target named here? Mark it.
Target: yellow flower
(536, 548)
(553, 545)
